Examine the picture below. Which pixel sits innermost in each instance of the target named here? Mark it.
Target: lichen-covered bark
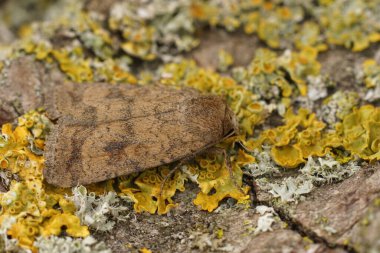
(330, 214)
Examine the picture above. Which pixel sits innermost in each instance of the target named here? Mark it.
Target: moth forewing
(104, 131)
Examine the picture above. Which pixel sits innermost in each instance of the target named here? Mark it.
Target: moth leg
(229, 167)
(250, 180)
(227, 162)
(171, 173)
(4, 187)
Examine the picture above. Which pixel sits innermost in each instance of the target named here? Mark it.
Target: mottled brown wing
(104, 131)
(25, 84)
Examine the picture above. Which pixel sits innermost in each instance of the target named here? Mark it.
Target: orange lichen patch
(300, 65)
(13, 154)
(67, 206)
(350, 24)
(72, 57)
(276, 22)
(14, 139)
(70, 222)
(371, 78)
(145, 250)
(36, 214)
(24, 231)
(225, 60)
(38, 210)
(372, 73)
(210, 173)
(197, 10)
(251, 21)
(101, 187)
(242, 158)
(268, 74)
(111, 72)
(42, 50)
(309, 35)
(300, 137)
(360, 132)
(71, 63)
(145, 189)
(141, 50)
(216, 182)
(138, 35)
(265, 61)
(77, 68)
(289, 156)
(280, 24)
(310, 142)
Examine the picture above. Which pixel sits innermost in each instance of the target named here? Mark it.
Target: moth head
(230, 124)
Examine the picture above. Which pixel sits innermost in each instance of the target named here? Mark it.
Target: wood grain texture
(104, 131)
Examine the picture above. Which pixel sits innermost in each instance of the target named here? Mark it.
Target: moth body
(104, 131)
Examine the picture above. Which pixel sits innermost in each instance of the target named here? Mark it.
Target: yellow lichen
(37, 214)
(216, 183)
(77, 69)
(300, 137)
(279, 79)
(289, 156)
(111, 72)
(300, 65)
(96, 49)
(37, 209)
(145, 190)
(138, 37)
(360, 131)
(145, 250)
(309, 35)
(225, 60)
(372, 73)
(69, 222)
(349, 23)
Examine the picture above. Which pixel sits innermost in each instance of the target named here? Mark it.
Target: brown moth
(104, 131)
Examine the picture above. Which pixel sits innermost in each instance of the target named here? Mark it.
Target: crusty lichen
(371, 79)
(9, 244)
(148, 193)
(360, 131)
(266, 219)
(37, 210)
(279, 80)
(279, 24)
(70, 245)
(352, 24)
(300, 137)
(225, 60)
(316, 172)
(216, 182)
(97, 212)
(335, 107)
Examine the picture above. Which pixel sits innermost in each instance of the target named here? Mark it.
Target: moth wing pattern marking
(104, 131)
